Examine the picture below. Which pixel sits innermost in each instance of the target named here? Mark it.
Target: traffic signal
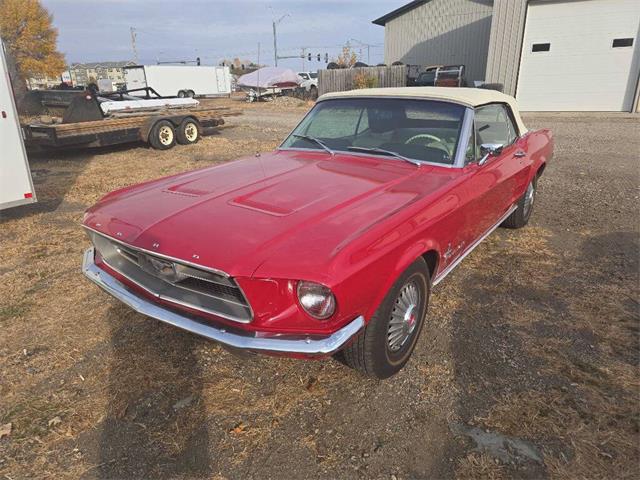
(198, 61)
(318, 57)
(326, 58)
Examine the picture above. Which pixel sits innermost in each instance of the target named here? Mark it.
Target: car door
(494, 185)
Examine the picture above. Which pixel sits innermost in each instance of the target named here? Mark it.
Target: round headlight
(317, 300)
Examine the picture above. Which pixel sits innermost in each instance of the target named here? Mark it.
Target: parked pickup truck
(331, 244)
(309, 81)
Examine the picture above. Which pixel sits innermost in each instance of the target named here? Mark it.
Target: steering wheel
(441, 145)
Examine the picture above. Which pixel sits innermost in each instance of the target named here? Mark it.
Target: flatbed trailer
(161, 128)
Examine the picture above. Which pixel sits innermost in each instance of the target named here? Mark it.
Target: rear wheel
(520, 217)
(182, 94)
(191, 93)
(162, 135)
(188, 132)
(388, 340)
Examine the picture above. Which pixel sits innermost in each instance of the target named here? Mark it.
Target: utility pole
(368, 49)
(275, 41)
(258, 71)
(133, 44)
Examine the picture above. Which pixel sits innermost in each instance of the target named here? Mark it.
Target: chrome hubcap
(529, 196)
(166, 135)
(404, 316)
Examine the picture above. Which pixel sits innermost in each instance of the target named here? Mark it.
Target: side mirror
(489, 150)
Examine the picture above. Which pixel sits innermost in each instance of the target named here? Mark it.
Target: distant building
(84, 73)
(42, 82)
(552, 55)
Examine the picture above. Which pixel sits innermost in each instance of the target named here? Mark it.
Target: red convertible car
(331, 244)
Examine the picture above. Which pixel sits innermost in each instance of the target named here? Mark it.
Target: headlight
(316, 299)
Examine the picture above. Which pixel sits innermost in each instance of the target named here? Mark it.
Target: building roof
(470, 97)
(102, 64)
(399, 11)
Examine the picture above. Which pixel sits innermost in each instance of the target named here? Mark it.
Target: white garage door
(579, 55)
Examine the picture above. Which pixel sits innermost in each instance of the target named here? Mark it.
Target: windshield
(313, 75)
(422, 130)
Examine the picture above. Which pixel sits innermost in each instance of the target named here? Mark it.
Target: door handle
(520, 154)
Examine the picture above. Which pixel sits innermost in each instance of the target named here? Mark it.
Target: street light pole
(275, 41)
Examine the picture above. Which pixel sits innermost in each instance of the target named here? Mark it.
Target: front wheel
(520, 216)
(388, 340)
(162, 136)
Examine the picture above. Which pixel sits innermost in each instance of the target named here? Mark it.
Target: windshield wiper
(385, 152)
(315, 140)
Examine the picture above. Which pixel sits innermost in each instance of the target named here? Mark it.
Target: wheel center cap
(410, 318)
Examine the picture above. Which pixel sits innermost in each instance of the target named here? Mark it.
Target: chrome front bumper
(307, 345)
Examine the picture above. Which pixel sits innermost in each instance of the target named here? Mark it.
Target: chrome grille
(177, 282)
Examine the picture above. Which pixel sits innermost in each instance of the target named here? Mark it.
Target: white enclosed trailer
(179, 80)
(16, 187)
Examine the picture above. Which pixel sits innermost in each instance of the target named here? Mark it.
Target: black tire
(188, 132)
(520, 217)
(371, 351)
(191, 93)
(162, 135)
(182, 94)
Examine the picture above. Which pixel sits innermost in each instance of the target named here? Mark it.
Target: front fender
(400, 261)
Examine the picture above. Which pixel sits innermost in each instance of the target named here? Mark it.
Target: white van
(16, 186)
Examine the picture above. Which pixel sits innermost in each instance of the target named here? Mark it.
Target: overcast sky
(169, 30)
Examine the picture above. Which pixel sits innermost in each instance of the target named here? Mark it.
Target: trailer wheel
(162, 135)
(191, 93)
(182, 94)
(188, 132)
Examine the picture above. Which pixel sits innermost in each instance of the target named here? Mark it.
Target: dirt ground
(527, 367)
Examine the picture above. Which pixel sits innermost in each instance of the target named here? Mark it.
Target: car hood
(293, 208)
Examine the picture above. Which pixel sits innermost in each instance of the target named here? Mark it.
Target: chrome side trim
(308, 345)
(448, 270)
(157, 254)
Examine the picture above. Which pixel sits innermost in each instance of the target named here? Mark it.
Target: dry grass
(477, 466)
(587, 418)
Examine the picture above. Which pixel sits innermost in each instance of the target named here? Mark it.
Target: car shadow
(155, 419)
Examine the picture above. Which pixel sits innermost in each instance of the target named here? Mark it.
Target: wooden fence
(339, 80)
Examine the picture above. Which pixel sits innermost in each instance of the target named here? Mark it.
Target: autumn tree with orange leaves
(27, 31)
(347, 58)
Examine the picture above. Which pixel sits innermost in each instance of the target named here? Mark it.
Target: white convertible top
(470, 97)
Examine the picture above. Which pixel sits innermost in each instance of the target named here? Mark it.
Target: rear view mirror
(488, 150)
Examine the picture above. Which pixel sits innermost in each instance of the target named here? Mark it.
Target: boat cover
(268, 77)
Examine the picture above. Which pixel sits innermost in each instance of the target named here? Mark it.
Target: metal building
(553, 55)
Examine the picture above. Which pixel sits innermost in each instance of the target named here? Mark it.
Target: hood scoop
(283, 198)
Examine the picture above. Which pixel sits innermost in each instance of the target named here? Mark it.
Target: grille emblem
(159, 268)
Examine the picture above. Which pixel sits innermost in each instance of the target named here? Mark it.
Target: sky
(174, 30)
